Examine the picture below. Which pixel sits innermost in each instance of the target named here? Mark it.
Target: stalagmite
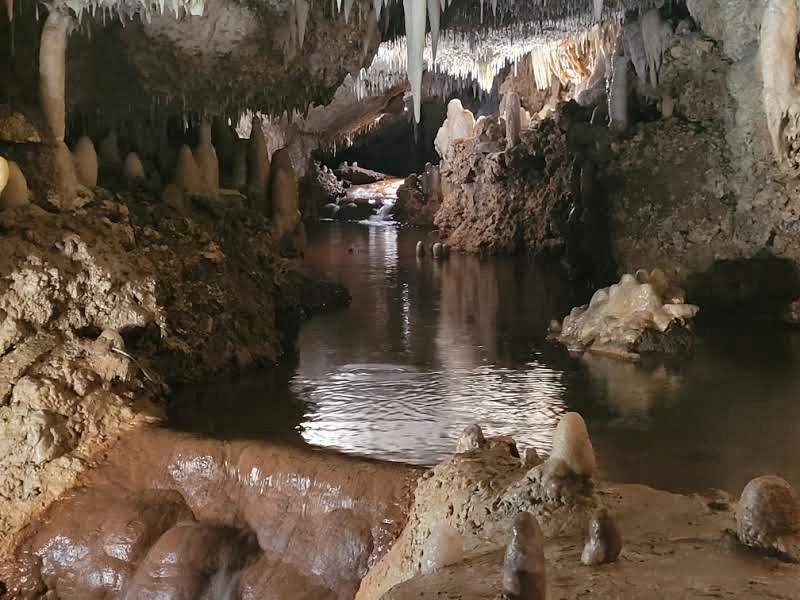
(173, 197)
(420, 249)
(65, 176)
(258, 167)
(572, 446)
(604, 542)
(459, 124)
(133, 168)
(779, 28)
(206, 157)
(285, 198)
(471, 438)
(110, 156)
(239, 170)
(3, 173)
(15, 192)
(415, 11)
(187, 175)
(52, 70)
(524, 572)
(444, 546)
(85, 158)
(513, 120)
(618, 96)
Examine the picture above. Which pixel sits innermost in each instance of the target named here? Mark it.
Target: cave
(399, 299)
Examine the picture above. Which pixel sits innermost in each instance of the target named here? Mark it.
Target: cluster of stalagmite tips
(767, 515)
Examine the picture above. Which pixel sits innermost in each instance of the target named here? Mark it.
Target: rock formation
(15, 193)
(459, 125)
(524, 571)
(638, 315)
(206, 158)
(284, 194)
(187, 174)
(133, 167)
(768, 517)
(3, 173)
(472, 437)
(258, 168)
(604, 542)
(572, 446)
(86, 165)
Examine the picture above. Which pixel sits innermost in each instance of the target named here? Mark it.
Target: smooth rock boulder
(768, 517)
(3, 173)
(444, 546)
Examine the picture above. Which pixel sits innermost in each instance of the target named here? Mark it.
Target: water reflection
(427, 348)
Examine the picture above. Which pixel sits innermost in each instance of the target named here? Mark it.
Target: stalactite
(52, 70)
(415, 12)
(433, 19)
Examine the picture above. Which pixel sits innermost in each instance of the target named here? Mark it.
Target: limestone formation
(15, 192)
(618, 94)
(531, 458)
(779, 29)
(420, 249)
(458, 125)
(572, 446)
(444, 546)
(631, 318)
(513, 119)
(239, 169)
(85, 159)
(206, 157)
(110, 156)
(258, 167)
(524, 571)
(187, 173)
(52, 70)
(437, 250)
(133, 167)
(604, 542)
(3, 173)
(470, 439)
(284, 194)
(768, 517)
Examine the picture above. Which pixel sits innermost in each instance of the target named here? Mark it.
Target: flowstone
(638, 315)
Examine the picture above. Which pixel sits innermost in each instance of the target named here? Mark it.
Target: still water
(427, 348)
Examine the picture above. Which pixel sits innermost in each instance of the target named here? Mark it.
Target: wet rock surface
(100, 305)
(479, 493)
(197, 517)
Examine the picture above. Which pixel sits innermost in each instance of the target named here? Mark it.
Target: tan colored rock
(768, 517)
(572, 446)
(524, 570)
(206, 157)
(15, 193)
(258, 167)
(3, 173)
(86, 165)
(187, 174)
(471, 438)
(133, 167)
(284, 194)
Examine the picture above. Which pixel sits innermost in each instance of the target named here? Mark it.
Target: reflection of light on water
(382, 247)
(400, 412)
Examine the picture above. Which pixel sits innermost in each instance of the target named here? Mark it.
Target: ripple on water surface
(427, 348)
